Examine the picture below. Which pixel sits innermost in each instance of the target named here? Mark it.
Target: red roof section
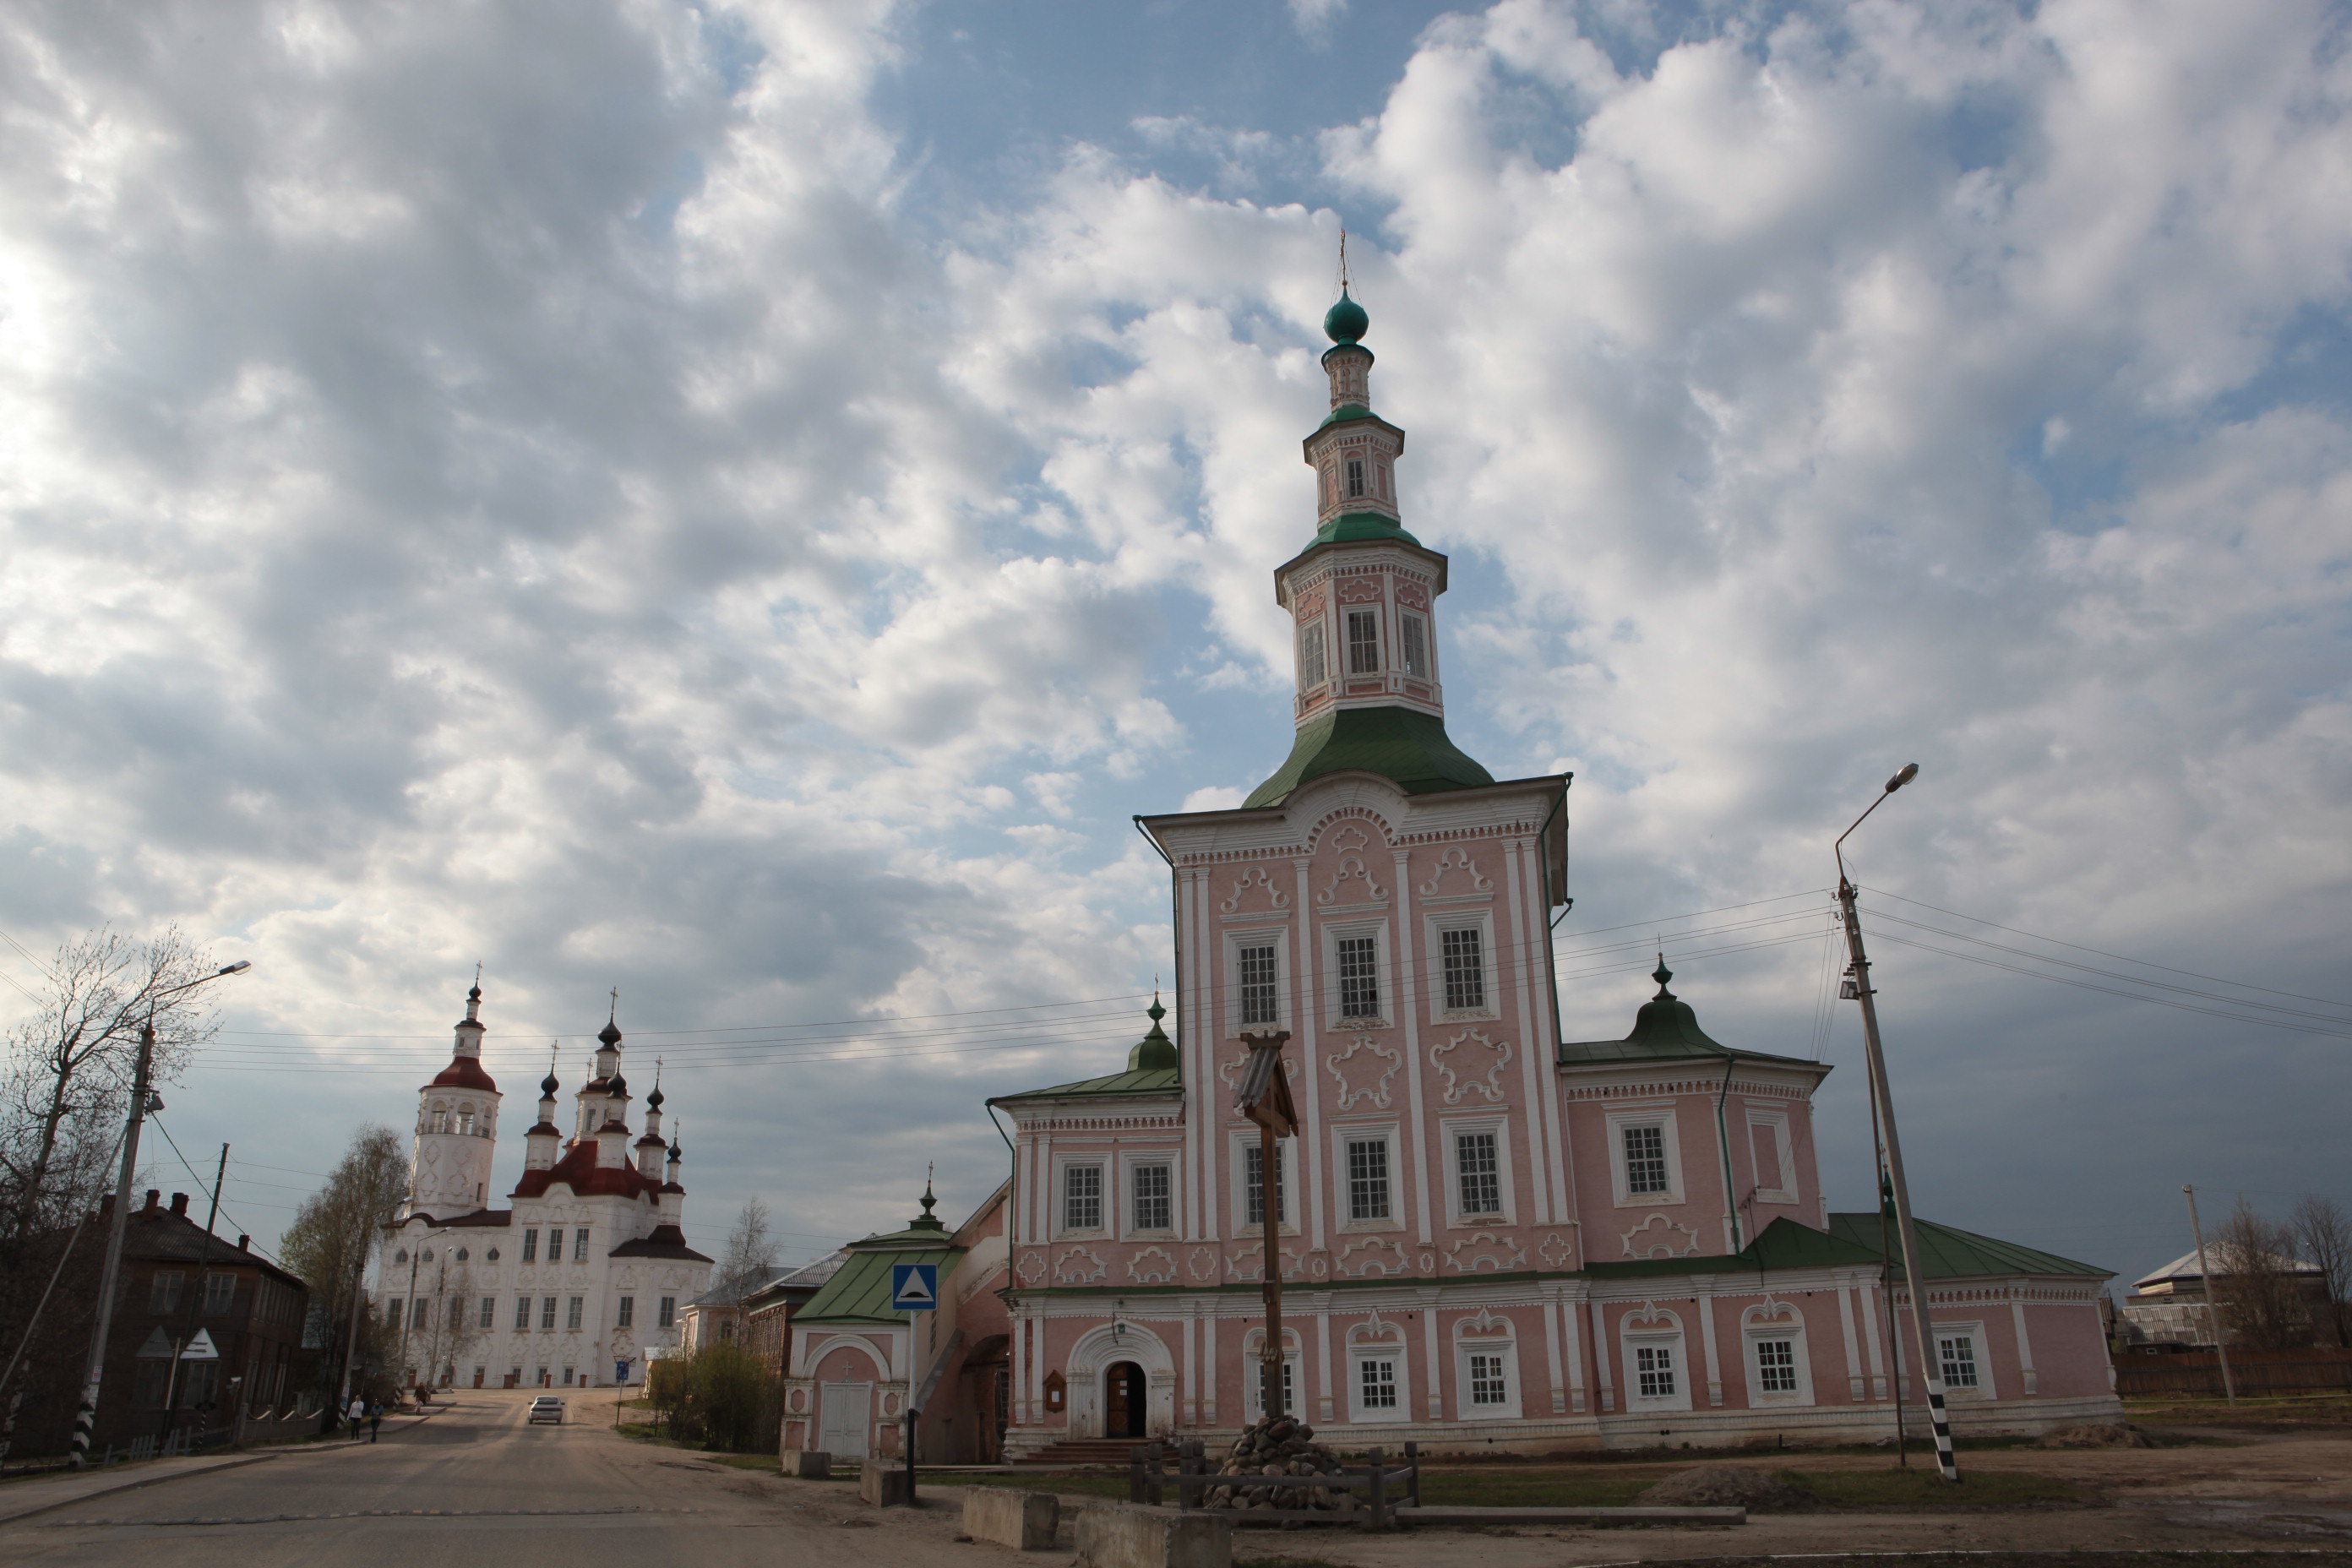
(465, 1072)
(579, 1171)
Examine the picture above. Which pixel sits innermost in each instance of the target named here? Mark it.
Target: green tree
(335, 1231)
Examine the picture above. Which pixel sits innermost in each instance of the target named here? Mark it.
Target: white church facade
(578, 1282)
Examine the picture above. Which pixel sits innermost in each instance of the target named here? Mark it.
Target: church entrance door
(1123, 1401)
(845, 1412)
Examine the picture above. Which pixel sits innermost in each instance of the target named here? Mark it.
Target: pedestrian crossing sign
(914, 1287)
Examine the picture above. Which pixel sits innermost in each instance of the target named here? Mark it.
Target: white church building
(580, 1281)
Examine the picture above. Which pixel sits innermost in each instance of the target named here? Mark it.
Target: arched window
(492, 1255)
(462, 1255)
(466, 1121)
(401, 1256)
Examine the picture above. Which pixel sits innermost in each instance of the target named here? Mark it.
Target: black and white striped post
(1915, 1283)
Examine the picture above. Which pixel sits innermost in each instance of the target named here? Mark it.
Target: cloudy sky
(742, 503)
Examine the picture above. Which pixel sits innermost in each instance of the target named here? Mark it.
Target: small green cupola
(927, 1220)
(1666, 1021)
(1345, 321)
(1155, 1052)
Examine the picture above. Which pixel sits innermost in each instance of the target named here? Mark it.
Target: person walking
(355, 1415)
(375, 1419)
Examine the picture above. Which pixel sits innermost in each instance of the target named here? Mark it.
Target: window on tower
(668, 1314)
(1413, 642)
(1355, 477)
(466, 1121)
(440, 1119)
(1363, 642)
(1311, 669)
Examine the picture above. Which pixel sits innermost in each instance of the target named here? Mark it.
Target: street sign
(914, 1287)
(201, 1347)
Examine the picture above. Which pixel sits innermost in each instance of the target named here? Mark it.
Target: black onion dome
(619, 1085)
(610, 1034)
(548, 1086)
(653, 1100)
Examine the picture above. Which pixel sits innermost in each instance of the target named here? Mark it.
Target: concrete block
(1025, 1521)
(1125, 1536)
(883, 1484)
(808, 1464)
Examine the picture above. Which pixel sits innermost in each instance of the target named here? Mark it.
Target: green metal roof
(1947, 1252)
(1151, 1080)
(860, 1293)
(1353, 527)
(1407, 747)
(1665, 1029)
(1783, 1243)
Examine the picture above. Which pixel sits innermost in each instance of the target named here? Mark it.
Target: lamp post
(1906, 1234)
(408, 1318)
(141, 1091)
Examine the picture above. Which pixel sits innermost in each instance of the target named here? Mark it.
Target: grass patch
(1460, 1489)
(1068, 1482)
(2100, 1559)
(1923, 1490)
(1285, 1563)
(654, 1436)
(2319, 1409)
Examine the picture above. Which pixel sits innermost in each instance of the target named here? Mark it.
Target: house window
(1776, 1366)
(572, 1311)
(1478, 1173)
(489, 1313)
(1363, 642)
(580, 1245)
(1355, 477)
(1645, 1160)
(1150, 1209)
(627, 1316)
(1959, 1354)
(220, 1294)
(391, 1314)
(1488, 1383)
(1256, 1372)
(531, 1246)
(163, 1292)
(1376, 1384)
(547, 1312)
(1082, 1197)
(1653, 1368)
(523, 1313)
(1257, 987)
(1253, 1184)
(555, 1243)
(1465, 969)
(456, 1313)
(1359, 983)
(567, 1377)
(1311, 669)
(401, 1256)
(666, 1314)
(1413, 635)
(462, 1255)
(493, 1253)
(1368, 1178)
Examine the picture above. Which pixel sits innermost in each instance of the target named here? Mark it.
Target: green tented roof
(1947, 1252)
(1665, 1029)
(1349, 527)
(1400, 744)
(860, 1291)
(1147, 1081)
(1783, 1243)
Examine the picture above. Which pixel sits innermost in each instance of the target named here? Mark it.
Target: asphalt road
(476, 1479)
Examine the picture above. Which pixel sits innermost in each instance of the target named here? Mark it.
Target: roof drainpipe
(1723, 1141)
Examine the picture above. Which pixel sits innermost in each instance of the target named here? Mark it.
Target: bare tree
(2323, 1234)
(337, 1228)
(751, 1249)
(2260, 1298)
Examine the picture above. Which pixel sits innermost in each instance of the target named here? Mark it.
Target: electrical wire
(242, 1228)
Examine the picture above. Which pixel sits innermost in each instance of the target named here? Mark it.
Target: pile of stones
(1262, 1457)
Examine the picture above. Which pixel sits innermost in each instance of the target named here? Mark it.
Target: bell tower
(456, 1127)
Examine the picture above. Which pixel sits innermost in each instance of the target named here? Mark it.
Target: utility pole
(1915, 1279)
(195, 1297)
(2213, 1302)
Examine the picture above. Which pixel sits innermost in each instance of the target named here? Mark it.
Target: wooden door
(846, 1413)
(1123, 1401)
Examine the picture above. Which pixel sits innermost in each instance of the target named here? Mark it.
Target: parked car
(547, 1407)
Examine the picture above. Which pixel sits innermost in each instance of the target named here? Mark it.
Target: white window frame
(1278, 939)
(1246, 1229)
(1346, 1133)
(1347, 640)
(1975, 1330)
(1358, 1410)
(1500, 1126)
(1252, 1404)
(1502, 1345)
(1753, 1333)
(1128, 1165)
(1062, 1165)
(1384, 974)
(1661, 1116)
(1633, 1342)
(1783, 1188)
(1314, 639)
(1436, 926)
(1419, 622)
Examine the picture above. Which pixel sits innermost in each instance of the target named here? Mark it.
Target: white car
(546, 1407)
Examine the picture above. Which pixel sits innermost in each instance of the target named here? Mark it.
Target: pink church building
(1488, 1235)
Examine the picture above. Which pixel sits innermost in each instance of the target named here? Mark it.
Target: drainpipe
(1723, 1141)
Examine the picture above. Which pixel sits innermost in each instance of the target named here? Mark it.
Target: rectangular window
(1376, 1384)
(1764, 1139)
(1368, 1178)
(1488, 1384)
(220, 1293)
(567, 1377)
(1959, 1354)
(1776, 1366)
(1311, 670)
(391, 1315)
(1257, 987)
(1363, 642)
(546, 1311)
(1355, 477)
(1359, 980)
(523, 1313)
(1412, 638)
(580, 1245)
(489, 1316)
(1253, 1184)
(163, 1292)
(531, 1246)
(1645, 1160)
(627, 1316)
(666, 1316)
(1082, 1197)
(1654, 1366)
(1478, 1172)
(572, 1311)
(1150, 1209)
(1465, 968)
(555, 1243)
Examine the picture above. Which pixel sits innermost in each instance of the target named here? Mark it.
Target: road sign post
(914, 1287)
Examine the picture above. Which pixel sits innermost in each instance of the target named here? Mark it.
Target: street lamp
(141, 1094)
(1882, 1100)
(408, 1319)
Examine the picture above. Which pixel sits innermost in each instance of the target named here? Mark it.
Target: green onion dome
(1345, 322)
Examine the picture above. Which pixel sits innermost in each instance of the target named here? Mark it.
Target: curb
(130, 1485)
